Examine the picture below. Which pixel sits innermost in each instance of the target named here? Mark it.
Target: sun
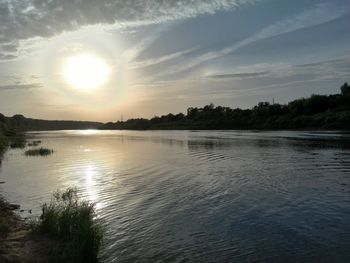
(85, 72)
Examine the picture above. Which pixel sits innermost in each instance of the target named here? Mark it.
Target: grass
(39, 152)
(73, 222)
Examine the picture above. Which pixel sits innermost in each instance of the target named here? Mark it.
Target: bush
(73, 222)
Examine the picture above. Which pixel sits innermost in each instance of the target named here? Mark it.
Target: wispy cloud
(239, 75)
(20, 20)
(5, 56)
(134, 51)
(335, 68)
(340, 63)
(319, 14)
(158, 60)
(20, 86)
(272, 77)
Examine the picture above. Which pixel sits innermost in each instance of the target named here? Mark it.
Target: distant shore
(317, 112)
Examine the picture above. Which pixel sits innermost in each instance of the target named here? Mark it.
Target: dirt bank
(17, 243)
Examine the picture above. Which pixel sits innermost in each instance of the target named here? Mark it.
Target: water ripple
(204, 196)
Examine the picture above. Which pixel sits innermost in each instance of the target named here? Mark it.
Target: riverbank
(17, 242)
(67, 231)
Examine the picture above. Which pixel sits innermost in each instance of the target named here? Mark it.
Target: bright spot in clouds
(85, 71)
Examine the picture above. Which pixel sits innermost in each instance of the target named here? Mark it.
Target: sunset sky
(98, 60)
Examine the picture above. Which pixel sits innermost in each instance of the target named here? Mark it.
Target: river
(199, 196)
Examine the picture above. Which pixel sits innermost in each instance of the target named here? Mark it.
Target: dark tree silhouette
(345, 89)
(317, 111)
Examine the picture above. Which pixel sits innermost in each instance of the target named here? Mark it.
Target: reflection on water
(218, 196)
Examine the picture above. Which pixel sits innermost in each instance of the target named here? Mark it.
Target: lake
(199, 196)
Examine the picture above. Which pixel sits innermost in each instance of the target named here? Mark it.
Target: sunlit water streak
(198, 196)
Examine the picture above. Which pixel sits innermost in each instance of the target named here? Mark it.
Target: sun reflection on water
(91, 175)
(88, 132)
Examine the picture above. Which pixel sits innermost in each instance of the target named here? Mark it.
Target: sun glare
(85, 71)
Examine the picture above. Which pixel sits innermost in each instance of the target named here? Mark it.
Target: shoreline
(53, 237)
(17, 242)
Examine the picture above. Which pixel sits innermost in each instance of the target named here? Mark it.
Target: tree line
(314, 112)
(21, 123)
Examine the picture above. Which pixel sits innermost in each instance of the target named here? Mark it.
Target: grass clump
(39, 152)
(73, 222)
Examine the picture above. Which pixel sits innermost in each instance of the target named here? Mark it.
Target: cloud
(7, 56)
(10, 47)
(243, 83)
(155, 61)
(334, 68)
(319, 14)
(343, 63)
(20, 86)
(239, 75)
(25, 19)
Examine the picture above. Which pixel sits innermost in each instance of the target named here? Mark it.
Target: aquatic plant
(38, 152)
(74, 224)
(34, 143)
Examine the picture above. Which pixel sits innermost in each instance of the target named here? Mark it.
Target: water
(199, 196)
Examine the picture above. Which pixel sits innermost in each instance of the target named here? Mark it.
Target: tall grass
(73, 222)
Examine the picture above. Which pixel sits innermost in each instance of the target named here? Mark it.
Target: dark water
(182, 196)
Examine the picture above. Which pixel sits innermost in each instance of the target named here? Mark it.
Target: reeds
(73, 223)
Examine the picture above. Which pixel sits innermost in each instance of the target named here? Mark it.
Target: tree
(345, 89)
(296, 107)
(316, 104)
(192, 112)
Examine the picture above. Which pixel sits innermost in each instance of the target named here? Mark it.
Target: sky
(164, 56)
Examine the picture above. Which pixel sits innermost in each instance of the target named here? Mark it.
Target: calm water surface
(199, 196)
